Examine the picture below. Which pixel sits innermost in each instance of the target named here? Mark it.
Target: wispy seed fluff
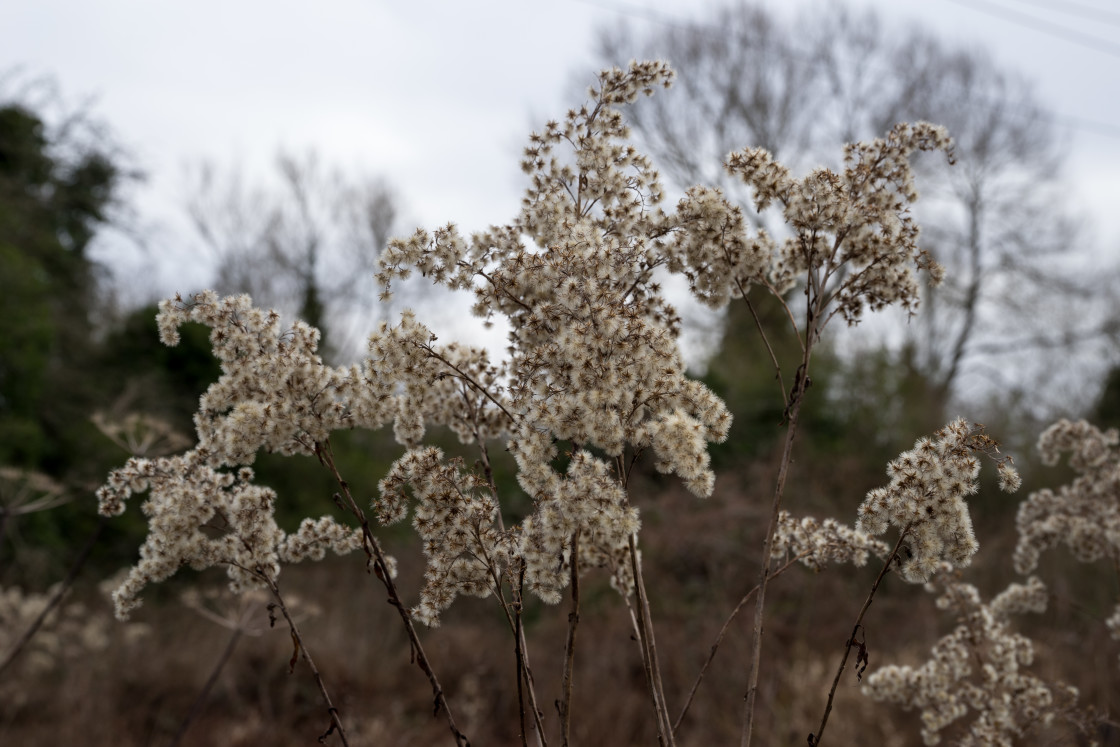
(274, 393)
(200, 517)
(1083, 515)
(925, 499)
(979, 668)
(815, 543)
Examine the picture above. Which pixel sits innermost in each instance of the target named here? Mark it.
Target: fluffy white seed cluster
(980, 667)
(925, 499)
(201, 517)
(454, 385)
(853, 237)
(468, 551)
(455, 518)
(594, 354)
(716, 254)
(1083, 515)
(819, 542)
(274, 393)
(589, 501)
(593, 359)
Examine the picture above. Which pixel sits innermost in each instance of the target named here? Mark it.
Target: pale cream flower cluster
(591, 501)
(854, 240)
(201, 517)
(1085, 514)
(594, 354)
(274, 393)
(448, 385)
(819, 542)
(593, 358)
(925, 499)
(455, 518)
(979, 667)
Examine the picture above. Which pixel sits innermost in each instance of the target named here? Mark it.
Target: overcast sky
(438, 97)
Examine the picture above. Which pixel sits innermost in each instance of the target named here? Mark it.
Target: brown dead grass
(700, 558)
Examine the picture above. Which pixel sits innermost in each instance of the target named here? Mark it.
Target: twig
(793, 409)
(382, 571)
(200, 701)
(649, 650)
(531, 684)
(467, 378)
(564, 706)
(524, 669)
(815, 740)
(765, 340)
(71, 576)
(520, 661)
(297, 639)
(719, 639)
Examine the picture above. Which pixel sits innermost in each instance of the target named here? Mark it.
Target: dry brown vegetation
(140, 688)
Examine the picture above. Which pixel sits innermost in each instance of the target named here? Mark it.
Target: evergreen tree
(54, 196)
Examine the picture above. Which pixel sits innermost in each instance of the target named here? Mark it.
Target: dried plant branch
(649, 651)
(520, 661)
(722, 633)
(384, 574)
(815, 740)
(564, 705)
(765, 340)
(64, 587)
(531, 686)
(302, 652)
(793, 410)
(200, 699)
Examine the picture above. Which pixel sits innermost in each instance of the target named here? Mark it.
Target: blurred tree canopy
(305, 242)
(1016, 292)
(55, 195)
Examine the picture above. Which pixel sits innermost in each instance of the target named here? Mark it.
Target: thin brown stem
(765, 340)
(719, 639)
(649, 650)
(302, 652)
(793, 409)
(564, 705)
(525, 682)
(531, 686)
(520, 661)
(200, 700)
(64, 587)
(381, 567)
(467, 378)
(815, 739)
(4, 514)
(789, 313)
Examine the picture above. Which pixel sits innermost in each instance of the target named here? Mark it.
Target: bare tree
(306, 244)
(997, 219)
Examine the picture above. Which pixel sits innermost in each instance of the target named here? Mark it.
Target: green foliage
(742, 373)
(1106, 414)
(52, 201)
(149, 377)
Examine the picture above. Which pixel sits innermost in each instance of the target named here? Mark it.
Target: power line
(631, 10)
(1038, 24)
(1077, 9)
